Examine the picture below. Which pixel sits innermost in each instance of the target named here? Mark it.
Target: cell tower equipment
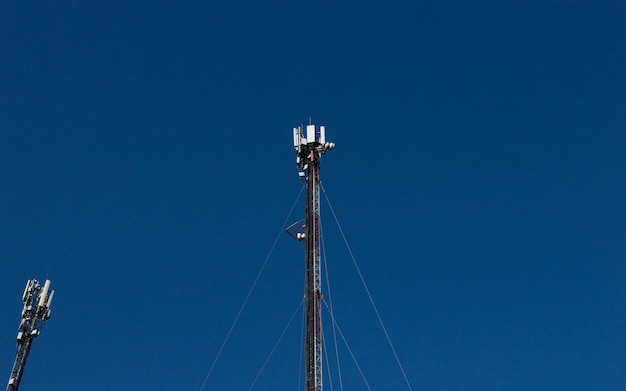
(309, 149)
(36, 312)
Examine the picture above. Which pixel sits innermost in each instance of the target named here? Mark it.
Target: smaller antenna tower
(36, 312)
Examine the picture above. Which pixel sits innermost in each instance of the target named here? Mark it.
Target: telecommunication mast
(310, 148)
(36, 312)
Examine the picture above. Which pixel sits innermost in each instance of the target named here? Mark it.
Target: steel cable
(369, 295)
(276, 345)
(245, 301)
(358, 367)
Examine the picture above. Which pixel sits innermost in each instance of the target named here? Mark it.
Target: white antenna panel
(50, 296)
(310, 134)
(322, 135)
(44, 293)
(296, 137)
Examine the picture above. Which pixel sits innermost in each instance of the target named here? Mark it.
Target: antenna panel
(296, 137)
(310, 134)
(43, 296)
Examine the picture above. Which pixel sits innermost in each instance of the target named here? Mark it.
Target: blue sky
(479, 176)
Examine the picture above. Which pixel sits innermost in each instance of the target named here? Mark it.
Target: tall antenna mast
(309, 153)
(36, 312)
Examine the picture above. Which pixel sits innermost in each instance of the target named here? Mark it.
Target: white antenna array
(315, 141)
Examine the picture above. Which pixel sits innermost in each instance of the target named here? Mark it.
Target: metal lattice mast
(36, 312)
(309, 152)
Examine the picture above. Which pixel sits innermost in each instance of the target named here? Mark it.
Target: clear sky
(146, 167)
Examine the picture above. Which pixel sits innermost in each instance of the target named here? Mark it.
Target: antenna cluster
(36, 309)
(315, 141)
